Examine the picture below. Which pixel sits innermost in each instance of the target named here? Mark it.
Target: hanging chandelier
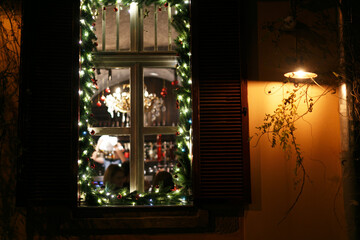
(119, 102)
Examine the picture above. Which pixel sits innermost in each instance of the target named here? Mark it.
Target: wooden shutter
(221, 152)
(48, 103)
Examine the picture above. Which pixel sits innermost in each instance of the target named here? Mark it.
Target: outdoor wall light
(300, 74)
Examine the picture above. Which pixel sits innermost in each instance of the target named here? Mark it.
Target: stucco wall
(319, 212)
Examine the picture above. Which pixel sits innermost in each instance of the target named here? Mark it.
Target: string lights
(88, 42)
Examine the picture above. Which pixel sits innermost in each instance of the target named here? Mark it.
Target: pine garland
(182, 177)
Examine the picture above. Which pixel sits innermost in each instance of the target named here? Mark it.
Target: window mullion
(137, 122)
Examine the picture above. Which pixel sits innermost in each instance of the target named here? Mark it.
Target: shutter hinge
(244, 111)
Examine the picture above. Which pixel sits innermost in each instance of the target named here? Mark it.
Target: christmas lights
(88, 43)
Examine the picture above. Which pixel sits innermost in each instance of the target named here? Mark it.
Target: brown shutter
(221, 157)
(48, 103)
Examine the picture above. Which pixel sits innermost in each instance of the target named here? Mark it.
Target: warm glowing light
(343, 90)
(300, 74)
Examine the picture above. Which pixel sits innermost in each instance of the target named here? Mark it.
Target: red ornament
(93, 24)
(177, 134)
(96, 44)
(102, 98)
(126, 154)
(92, 166)
(137, 196)
(107, 90)
(177, 104)
(115, 9)
(166, 4)
(94, 81)
(159, 9)
(98, 104)
(119, 196)
(96, 86)
(92, 132)
(175, 82)
(163, 92)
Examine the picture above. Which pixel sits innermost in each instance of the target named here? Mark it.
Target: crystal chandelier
(120, 102)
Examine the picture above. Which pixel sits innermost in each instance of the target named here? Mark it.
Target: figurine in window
(108, 151)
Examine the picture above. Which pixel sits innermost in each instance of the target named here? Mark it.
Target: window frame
(137, 60)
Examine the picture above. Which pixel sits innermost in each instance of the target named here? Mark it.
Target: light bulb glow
(300, 74)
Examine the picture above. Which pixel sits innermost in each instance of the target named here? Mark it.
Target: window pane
(160, 107)
(159, 153)
(117, 32)
(111, 150)
(162, 29)
(111, 101)
(149, 27)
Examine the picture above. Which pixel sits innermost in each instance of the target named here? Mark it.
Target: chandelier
(119, 102)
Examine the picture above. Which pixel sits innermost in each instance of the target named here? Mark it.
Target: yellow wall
(319, 212)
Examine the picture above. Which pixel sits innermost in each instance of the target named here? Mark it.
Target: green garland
(182, 177)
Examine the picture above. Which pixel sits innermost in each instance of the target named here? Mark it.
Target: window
(135, 104)
(49, 95)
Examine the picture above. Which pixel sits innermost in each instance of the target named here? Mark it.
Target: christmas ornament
(175, 82)
(119, 196)
(93, 24)
(115, 9)
(159, 9)
(177, 134)
(166, 4)
(92, 166)
(98, 104)
(163, 92)
(102, 98)
(107, 90)
(177, 104)
(96, 44)
(92, 132)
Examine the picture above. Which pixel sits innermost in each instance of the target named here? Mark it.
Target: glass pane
(159, 154)
(149, 28)
(160, 107)
(162, 29)
(111, 101)
(111, 150)
(113, 40)
(111, 28)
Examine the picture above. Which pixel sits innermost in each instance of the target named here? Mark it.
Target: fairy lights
(87, 45)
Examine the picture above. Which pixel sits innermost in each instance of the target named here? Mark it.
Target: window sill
(148, 219)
